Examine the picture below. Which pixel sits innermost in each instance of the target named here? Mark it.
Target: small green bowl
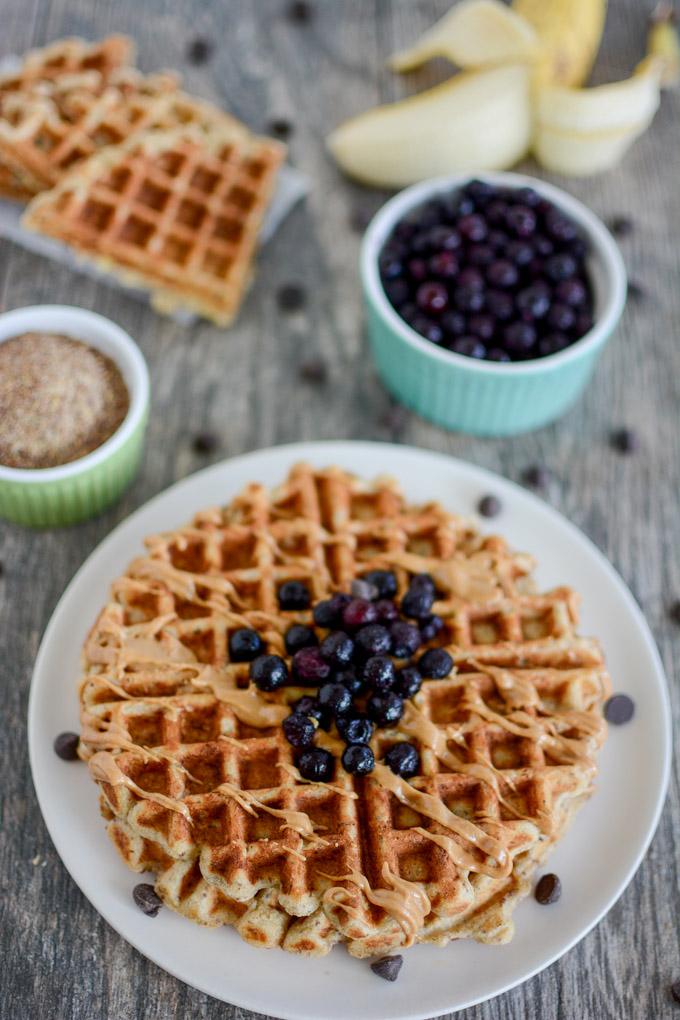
(487, 398)
(56, 496)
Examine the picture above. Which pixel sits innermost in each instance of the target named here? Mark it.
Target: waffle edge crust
(198, 783)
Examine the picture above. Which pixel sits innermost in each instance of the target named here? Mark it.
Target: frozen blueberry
(387, 610)
(572, 292)
(435, 664)
(502, 273)
(408, 682)
(422, 582)
(533, 302)
(311, 707)
(336, 698)
(497, 354)
(299, 730)
(358, 759)
(432, 297)
(417, 602)
(560, 266)
(384, 580)
(309, 667)
(552, 343)
(519, 337)
(351, 680)
(430, 627)
(328, 612)
(405, 639)
(245, 645)
(298, 636)
(379, 673)
(268, 672)
(358, 613)
(521, 220)
(316, 765)
(294, 595)
(385, 709)
(470, 346)
(337, 649)
(363, 589)
(355, 729)
(373, 640)
(403, 759)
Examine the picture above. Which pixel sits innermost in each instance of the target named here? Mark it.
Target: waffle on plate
(200, 786)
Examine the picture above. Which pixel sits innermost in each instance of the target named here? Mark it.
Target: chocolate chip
(537, 476)
(548, 889)
(395, 418)
(291, 297)
(313, 370)
(675, 991)
(621, 226)
(205, 442)
(388, 967)
(674, 612)
(619, 709)
(489, 506)
(147, 899)
(625, 440)
(636, 292)
(199, 51)
(280, 127)
(66, 746)
(299, 11)
(2, 568)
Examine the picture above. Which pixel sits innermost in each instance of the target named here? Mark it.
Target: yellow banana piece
(663, 42)
(570, 32)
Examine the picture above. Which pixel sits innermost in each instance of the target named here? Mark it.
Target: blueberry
(405, 639)
(428, 329)
(472, 227)
(358, 759)
(430, 627)
(469, 346)
(337, 649)
(384, 580)
(542, 247)
(385, 709)
(245, 645)
(521, 220)
(299, 730)
(472, 278)
(336, 698)
(387, 610)
(423, 582)
(417, 270)
(480, 254)
(552, 343)
(351, 680)
(482, 326)
(444, 265)
(497, 354)
(397, 291)
(453, 323)
(403, 759)
(561, 317)
(328, 613)
(528, 196)
(519, 252)
(362, 589)
(444, 238)
(435, 664)
(432, 297)
(390, 266)
(572, 292)
(499, 305)
(583, 323)
(268, 672)
(298, 636)
(502, 273)
(408, 682)
(417, 603)
(359, 612)
(533, 302)
(311, 707)
(309, 667)
(379, 673)
(519, 337)
(495, 213)
(316, 765)
(373, 640)
(468, 299)
(294, 595)
(560, 267)
(560, 227)
(480, 190)
(355, 729)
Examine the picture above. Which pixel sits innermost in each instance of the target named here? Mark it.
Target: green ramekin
(482, 397)
(52, 497)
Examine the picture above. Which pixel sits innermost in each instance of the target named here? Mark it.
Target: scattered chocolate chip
(489, 506)
(636, 292)
(2, 568)
(674, 612)
(66, 746)
(299, 11)
(281, 127)
(675, 991)
(205, 442)
(147, 899)
(364, 590)
(625, 440)
(313, 370)
(388, 967)
(199, 51)
(291, 297)
(537, 476)
(621, 226)
(619, 709)
(548, 889)
(359, 218)
(395, 418)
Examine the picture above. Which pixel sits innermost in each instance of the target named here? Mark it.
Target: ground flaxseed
(59, 400)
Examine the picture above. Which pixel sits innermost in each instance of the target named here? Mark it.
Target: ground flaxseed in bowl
(60, 399)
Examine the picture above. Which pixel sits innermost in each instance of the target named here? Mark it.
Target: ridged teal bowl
(481, 397)
(56, 496)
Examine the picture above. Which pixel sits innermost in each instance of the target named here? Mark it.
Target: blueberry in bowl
(489, 301)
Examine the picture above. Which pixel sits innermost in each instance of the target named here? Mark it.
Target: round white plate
(595, 861)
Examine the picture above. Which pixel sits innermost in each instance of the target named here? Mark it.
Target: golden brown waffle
(66, 57)
(199, 784)
(177, 212)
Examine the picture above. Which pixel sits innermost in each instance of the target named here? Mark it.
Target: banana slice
(475, 33)
(475, 121)
(577, 155)
(569, 32)
(663, 42)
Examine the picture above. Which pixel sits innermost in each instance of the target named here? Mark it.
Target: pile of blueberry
(490, 272)
(359, 656)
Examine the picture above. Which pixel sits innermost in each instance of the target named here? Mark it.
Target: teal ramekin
(487, 398)
(56, 496)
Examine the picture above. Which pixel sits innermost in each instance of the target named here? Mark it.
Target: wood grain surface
(59, 959)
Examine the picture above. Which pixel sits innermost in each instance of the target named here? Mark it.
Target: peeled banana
(570, 32)
(663, 42)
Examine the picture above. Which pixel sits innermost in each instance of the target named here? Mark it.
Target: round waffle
(200, 786)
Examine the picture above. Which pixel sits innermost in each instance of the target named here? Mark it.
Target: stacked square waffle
(162, 189)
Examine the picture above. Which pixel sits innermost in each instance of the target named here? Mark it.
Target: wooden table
(59, 959)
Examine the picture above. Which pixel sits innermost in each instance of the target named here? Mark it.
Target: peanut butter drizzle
(498, 863)
(406, 902)
(297, 821)
(471, 578)
(247, 705)
(182, 583)
(104, 769)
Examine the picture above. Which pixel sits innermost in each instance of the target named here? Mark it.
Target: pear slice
(475, 33)
(475, 121)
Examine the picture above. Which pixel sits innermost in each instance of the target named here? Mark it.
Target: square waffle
(199, 784)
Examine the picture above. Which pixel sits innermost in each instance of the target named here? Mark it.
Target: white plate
(595, 861)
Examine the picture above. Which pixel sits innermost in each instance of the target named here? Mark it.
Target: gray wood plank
(60, 959)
